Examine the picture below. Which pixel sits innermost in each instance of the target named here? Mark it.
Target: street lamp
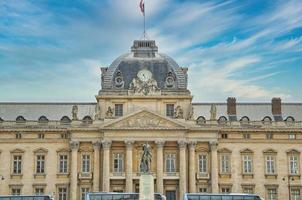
(289, 179)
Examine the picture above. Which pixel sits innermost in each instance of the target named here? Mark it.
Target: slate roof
(159, 64)
(55, 111)
(254, 111)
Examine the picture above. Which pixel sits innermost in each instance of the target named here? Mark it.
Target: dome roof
(144, 56)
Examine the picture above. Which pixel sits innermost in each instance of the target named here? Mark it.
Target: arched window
(65, 120)
(201, 120)
(244, 120)
(43, 119)
(20, 119)
(87, 120)
(1, 120)
(222, 120)
(267, 120)
(290, 119)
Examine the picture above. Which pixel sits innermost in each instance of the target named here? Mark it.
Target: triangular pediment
(144, 119)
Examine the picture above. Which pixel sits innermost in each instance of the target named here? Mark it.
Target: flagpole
(144, 19)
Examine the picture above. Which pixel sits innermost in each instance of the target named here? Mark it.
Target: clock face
(144, 75)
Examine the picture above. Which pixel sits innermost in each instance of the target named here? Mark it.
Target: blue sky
(52, 50)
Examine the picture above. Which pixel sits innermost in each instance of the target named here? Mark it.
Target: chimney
(231, 109)
(276, 109)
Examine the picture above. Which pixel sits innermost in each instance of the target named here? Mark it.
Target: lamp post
(289, 179)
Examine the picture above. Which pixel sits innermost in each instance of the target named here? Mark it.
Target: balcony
(201, 175)
(85, 175)
(117, 175)
(171, 175)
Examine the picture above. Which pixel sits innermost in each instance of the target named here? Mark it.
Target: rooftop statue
(213, 112)
(75, 112)
(146, 158)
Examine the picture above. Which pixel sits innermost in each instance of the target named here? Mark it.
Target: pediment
(144, 119)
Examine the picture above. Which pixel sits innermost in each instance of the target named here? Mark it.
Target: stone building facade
(68, 149)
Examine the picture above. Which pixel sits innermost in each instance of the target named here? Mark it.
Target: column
(182, 168)
(96, 166)
(159, 166)
(129, 165)
(192, 170)
(214, 167)
(106, 144)
(74, 145)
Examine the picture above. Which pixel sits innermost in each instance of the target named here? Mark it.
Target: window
(202, 164)
(63, 163)
(246, 136)
(272, 194)
(86, 163)
(270, 164)
(291, 136)
(40, 136)
(62, 193)
(295, 194)
(224, 136)
(293, 164)
(247, 164)
(84, 191)
(225, 190)
(248, 190)
(17, 164)
(118, 162)
(203, 190)
(16, 191)
(39, 190)
(40, 167)
(170, 162)
(170, 110)
(18, 135)
(118, 110)
(269, 136)
(225, 164)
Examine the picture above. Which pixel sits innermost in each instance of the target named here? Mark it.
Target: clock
(144, 75)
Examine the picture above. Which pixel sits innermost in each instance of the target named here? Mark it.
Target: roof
(53, 111)
(144, 57)
(254, 111)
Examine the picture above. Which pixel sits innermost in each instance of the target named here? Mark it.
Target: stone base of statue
(146, 187)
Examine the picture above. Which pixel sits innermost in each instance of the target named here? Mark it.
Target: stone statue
(178, 113)
(144, 88)
(74, 112)
(109, 112)
(213, 112)
(97, 112)
(191, 113)
(146, 159)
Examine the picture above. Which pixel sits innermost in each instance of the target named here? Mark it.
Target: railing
(206, 124)
(117, 175)
(203, 175)
(85, 175)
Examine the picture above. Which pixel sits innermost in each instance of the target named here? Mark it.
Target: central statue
(146, 158)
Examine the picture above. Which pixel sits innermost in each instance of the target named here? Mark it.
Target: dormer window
(65, 120)
(87, 120)
(20, 119)
(267, 120)
(201, 120)
(43, 120)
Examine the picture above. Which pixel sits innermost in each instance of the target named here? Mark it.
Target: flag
(142, 6)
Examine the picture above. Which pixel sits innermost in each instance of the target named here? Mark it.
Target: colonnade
(186, 184)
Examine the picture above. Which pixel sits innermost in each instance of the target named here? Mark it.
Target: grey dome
(144, 55)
